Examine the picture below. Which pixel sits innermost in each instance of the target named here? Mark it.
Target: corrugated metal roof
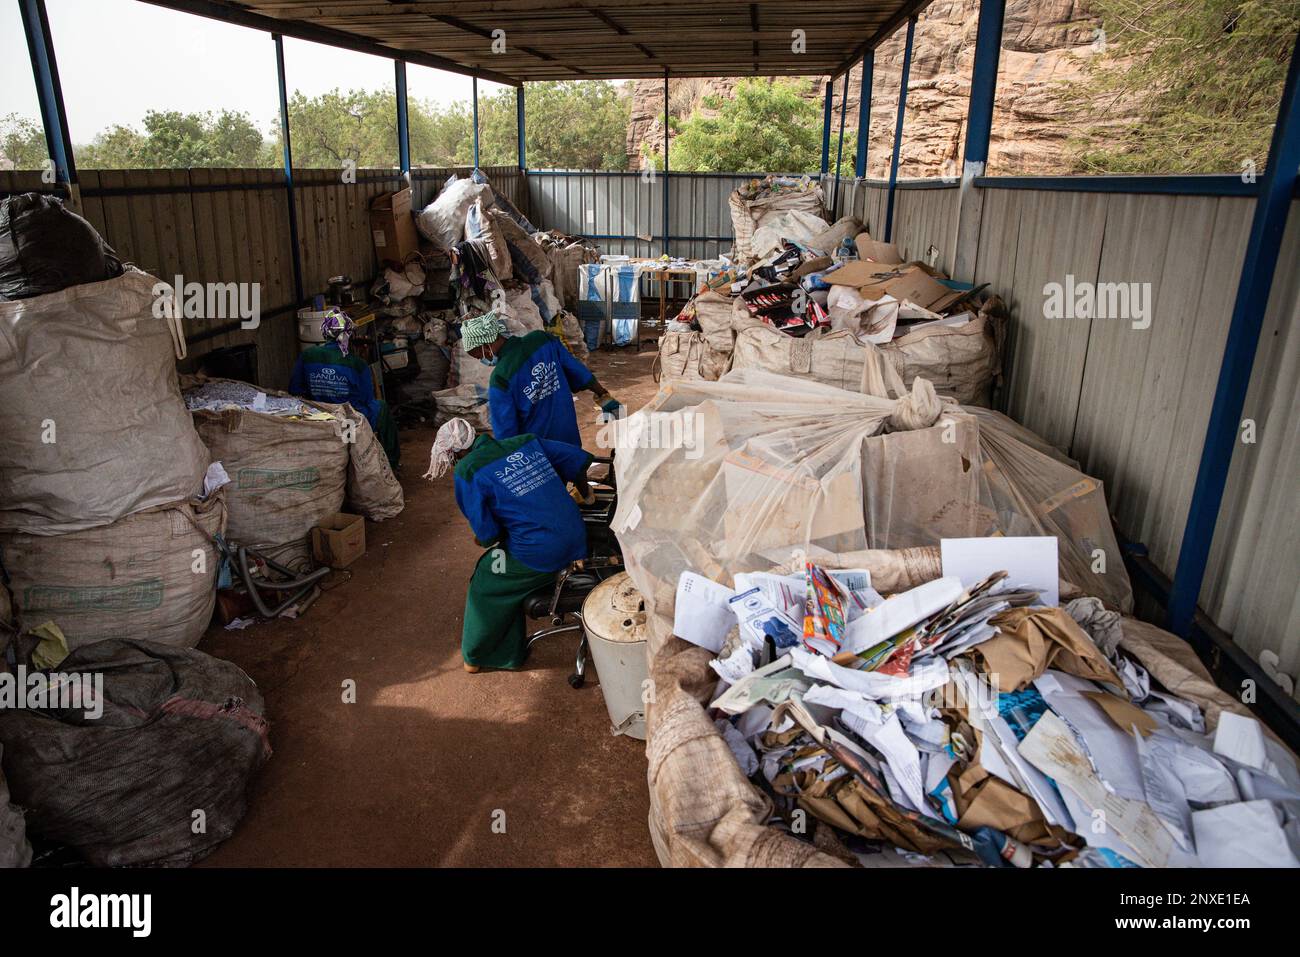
(614, 39)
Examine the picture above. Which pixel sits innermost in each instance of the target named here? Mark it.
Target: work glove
(611, 408)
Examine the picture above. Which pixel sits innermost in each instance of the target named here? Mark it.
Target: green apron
(495, 635)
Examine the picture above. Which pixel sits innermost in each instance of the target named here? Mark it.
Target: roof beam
(620, 30)
(880, 36)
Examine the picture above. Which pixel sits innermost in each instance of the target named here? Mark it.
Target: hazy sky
(119, 58)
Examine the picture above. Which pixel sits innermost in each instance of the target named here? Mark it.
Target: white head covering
(455, 436)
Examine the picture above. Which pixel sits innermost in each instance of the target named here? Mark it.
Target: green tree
(767, 125)
(1200, 78)
(22, 143)
(175, 140)
(440, 136)
(336, 127)
(572, 124)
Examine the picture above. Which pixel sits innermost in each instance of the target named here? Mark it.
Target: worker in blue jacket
(533, 381)
(512, 492)
(330, 373)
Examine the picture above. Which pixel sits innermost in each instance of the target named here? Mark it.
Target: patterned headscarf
(338, 325)
(455, 436)
(480, 331)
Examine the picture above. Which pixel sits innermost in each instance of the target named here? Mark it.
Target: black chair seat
(574, 593)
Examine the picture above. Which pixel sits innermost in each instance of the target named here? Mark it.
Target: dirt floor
(417, 770)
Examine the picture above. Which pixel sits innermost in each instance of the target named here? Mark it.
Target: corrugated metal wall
(232, 225)
(1132, 404)
(623, 212)
(925, 215)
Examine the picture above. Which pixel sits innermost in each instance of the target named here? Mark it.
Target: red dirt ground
(414, 772)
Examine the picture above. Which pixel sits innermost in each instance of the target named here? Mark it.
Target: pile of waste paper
(816, 299)
(972, 720)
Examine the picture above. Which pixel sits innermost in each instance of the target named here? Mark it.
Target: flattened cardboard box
(869, 248)
(911, 282)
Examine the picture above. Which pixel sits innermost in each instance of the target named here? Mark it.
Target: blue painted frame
(898, 128)
(520, 120)
(475, 88)
(839, 153)
(667, 214)
(1178, 185)
(826, 130)
(295, 249)
(864, 114)
(983, 82)
(403, 120)
(1276, 188)
(49, 94)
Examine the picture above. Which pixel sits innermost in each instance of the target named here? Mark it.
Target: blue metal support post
(864, 114)
(403, 123)
(520, 118)
(49, 93)
(288, 168)
(475, 82)
(898, 129)
(1262, 249)
(826, 130)
(979, 127)
(839, 153)
(667, 214)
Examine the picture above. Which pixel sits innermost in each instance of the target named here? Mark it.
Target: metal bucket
(613, 617)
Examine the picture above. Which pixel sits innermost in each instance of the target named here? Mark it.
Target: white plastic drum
(614, 618)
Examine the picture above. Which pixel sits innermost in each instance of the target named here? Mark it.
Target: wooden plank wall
(232, 225)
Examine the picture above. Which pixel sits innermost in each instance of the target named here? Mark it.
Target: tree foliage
(22, 143)
(570, 124)
(767, 125)
(174, 140)
(1201, 78)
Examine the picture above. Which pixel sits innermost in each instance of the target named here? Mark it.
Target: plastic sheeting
(443, 221)
(741, 474)
(736, 475)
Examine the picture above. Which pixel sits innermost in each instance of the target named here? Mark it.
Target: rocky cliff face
(1045, 44)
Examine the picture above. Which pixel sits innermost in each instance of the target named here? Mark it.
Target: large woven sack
(962, 361)
(442, 222)
(286, 475)
(528, 259)
(372, 488)
(152, 573)
(753, 204)
(462, 402)
(833, 358)
(181, 733)
(479, 225)
(713, 311)
(688, 355)
(93, 427)
(565, 261)
(14, 849)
